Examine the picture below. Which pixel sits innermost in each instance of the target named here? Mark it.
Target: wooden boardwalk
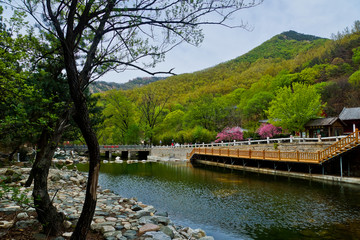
(339, 147)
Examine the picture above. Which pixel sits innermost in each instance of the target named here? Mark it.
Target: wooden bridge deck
(319, 157)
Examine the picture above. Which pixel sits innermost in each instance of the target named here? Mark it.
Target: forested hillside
(194, 107)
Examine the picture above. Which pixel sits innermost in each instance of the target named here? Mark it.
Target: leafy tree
(120, 114)
(354, 79)
(356, 55)
(294, 106)
(15, 124)
(256, 106)
(151, 106)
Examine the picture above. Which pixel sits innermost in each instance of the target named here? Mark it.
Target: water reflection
(240, 205)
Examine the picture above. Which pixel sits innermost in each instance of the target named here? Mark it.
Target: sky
(315, 17)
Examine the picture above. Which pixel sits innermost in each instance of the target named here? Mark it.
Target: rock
(198, 233)
(41, 236)
(99, 220)
(22, 216)
(55, 177)
(26, 223)
(107, 228)
(168, 231)
(160, 219)
(67, 234)
(149, 227)
(119, 227)
(206, 238)
(130, 234)
(142, 213)
(136, 208)
(145, 219)
(6, 224)
(164, 214)
(59, 238)
(67, 224)
(127, 225)
(112, 234)
(158, 235)
(75, 180)
(111, 219)
(150, 209)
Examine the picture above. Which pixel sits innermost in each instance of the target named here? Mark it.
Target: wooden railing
(306, 157)
(341, 146)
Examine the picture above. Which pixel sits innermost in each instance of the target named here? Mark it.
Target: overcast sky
(315, 17)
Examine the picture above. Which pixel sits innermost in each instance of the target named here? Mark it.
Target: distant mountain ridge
(102, 86)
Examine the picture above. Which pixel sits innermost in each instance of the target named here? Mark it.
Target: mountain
(271, 57)
(102, 86)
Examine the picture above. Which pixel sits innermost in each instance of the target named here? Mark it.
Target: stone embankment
(115, 217)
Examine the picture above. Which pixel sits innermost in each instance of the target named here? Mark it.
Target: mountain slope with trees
(240, 92)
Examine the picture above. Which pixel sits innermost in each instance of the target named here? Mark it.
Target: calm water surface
(239, 205)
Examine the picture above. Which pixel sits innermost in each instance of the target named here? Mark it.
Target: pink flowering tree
(229, 134)
(268, 130)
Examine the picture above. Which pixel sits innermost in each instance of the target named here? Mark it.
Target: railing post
(318, 156)
(212, 151)
(238, 154)
(297, 155)
(264, 154)
(228, 152)
(341, 167)
(205, 151)
(249, 153)
(267, 140)
(279, 155)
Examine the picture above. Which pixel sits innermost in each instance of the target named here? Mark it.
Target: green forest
(285, 75)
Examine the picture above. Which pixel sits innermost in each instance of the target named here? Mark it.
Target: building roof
(350, 114)
(322, 122)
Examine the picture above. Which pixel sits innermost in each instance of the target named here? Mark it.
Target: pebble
(115, 217)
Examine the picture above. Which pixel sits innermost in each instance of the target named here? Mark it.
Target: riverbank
(115, 217)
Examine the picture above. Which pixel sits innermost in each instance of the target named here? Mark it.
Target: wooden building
(325, 127)
(351, 117)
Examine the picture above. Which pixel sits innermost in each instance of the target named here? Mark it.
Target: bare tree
(98, 36)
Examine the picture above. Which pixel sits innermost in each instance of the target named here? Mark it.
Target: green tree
(354, 79)
(256, 106)
(120, 115)
(294, 106)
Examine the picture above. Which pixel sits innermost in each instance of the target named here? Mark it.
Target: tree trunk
(48, 216)
(11, 155)
(83, 121)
